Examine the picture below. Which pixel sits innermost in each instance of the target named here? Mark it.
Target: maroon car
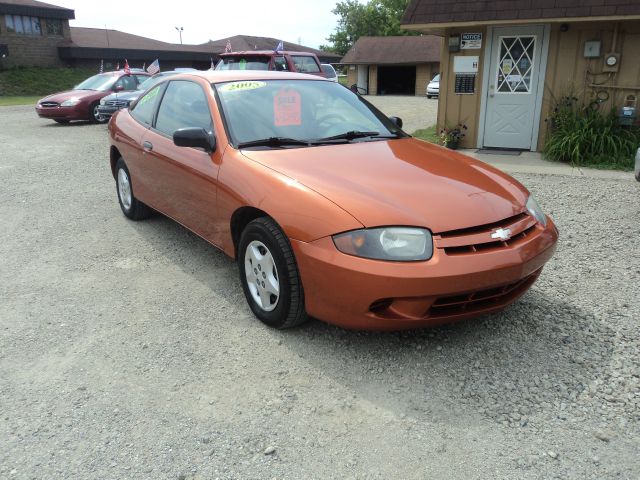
(82, 102)
(301, 62)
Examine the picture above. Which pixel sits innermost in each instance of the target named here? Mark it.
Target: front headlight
(103, 102)
(72, 102)
(535, 210)
(398, 244)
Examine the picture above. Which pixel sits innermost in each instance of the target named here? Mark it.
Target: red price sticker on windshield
(287, 108)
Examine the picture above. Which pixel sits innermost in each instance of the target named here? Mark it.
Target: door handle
(148, 145)
(492, 90)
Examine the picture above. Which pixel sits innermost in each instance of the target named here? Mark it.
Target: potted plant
(450, 136)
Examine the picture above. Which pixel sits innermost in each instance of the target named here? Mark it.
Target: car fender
(302, 213)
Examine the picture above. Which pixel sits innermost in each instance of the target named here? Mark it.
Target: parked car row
(83, 101)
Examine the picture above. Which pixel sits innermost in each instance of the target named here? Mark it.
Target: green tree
(375, 18)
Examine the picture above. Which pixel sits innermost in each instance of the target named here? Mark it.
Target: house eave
(440, 28)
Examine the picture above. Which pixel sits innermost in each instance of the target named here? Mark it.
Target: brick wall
(352, 75)
(40, 50)
(424, 73)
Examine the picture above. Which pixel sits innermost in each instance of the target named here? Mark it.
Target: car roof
(219, 76)
(267, 52)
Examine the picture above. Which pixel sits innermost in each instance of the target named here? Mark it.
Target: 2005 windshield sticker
(287, 108)
(236, 86)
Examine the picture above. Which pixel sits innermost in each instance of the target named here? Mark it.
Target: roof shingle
(394, 50)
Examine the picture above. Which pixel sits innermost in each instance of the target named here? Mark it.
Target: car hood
(81, 94)
(129, 95)
(402, 182)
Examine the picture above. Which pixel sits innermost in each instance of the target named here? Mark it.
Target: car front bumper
(77, 112)
(359, 293)
(433, 91)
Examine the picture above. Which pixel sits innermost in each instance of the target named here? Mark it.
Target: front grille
(478, 239)
(481, 299)
(117, 103)
(49, 104)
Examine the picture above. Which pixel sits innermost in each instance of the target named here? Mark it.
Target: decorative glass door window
(515, 64)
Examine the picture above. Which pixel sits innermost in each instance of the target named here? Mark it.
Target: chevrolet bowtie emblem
(502, 234)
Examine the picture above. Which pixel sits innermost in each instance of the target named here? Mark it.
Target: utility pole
(180, 29)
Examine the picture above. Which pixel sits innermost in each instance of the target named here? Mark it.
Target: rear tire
(269, 275)
(132, 208)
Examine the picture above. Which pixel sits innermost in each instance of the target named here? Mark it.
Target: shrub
(584, 136)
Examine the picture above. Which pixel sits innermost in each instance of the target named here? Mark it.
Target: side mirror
(195, 137)
(118, 88)
(397, 121)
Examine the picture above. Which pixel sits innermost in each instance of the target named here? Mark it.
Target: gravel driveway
(415, 112)
(127, 349)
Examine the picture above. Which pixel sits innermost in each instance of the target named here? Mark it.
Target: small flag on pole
(144, 66)
(101, 66)
(127, 70)
(280, 47)
(117, 66)
(213, 67)
(228, 49)
(154, 67)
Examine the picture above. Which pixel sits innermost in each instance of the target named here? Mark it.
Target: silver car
(330, 72)
(433, 88)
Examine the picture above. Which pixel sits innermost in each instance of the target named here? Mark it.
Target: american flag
(154, 67)
(127, 70)
(213, 66)
(228, 49)
(101, 66)
(117, 66)
(279, 47)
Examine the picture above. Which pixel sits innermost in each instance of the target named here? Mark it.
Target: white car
(330, 72)
(636, 170)
(433, 88)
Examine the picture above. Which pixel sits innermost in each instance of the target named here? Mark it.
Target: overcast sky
(309, 21)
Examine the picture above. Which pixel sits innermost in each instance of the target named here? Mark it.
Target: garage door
(397, 80)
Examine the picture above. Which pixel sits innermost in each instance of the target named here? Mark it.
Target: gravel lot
(416, 112)
(127, 350)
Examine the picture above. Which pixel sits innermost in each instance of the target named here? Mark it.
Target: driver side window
(184, 105)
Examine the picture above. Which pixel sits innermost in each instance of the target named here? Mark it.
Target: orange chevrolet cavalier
(329, 208)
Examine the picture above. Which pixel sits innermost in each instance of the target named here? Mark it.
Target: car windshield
(101, 82)
(298, 113)
(436, 78)
(151, 81)
(245, 62)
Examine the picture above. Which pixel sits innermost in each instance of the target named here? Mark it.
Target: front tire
(269, 275)
(132, 208)
(94, 114)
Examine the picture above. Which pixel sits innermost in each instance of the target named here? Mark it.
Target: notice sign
(287, 108)
(471, 41)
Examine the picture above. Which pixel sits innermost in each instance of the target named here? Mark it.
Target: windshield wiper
(273, 142)
(350, 135)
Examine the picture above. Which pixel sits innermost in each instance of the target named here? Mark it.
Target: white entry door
(363, 79)
(512, 96)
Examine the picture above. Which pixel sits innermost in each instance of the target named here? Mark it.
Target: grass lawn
(41, 81)
(427, 134)
(10, 101)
